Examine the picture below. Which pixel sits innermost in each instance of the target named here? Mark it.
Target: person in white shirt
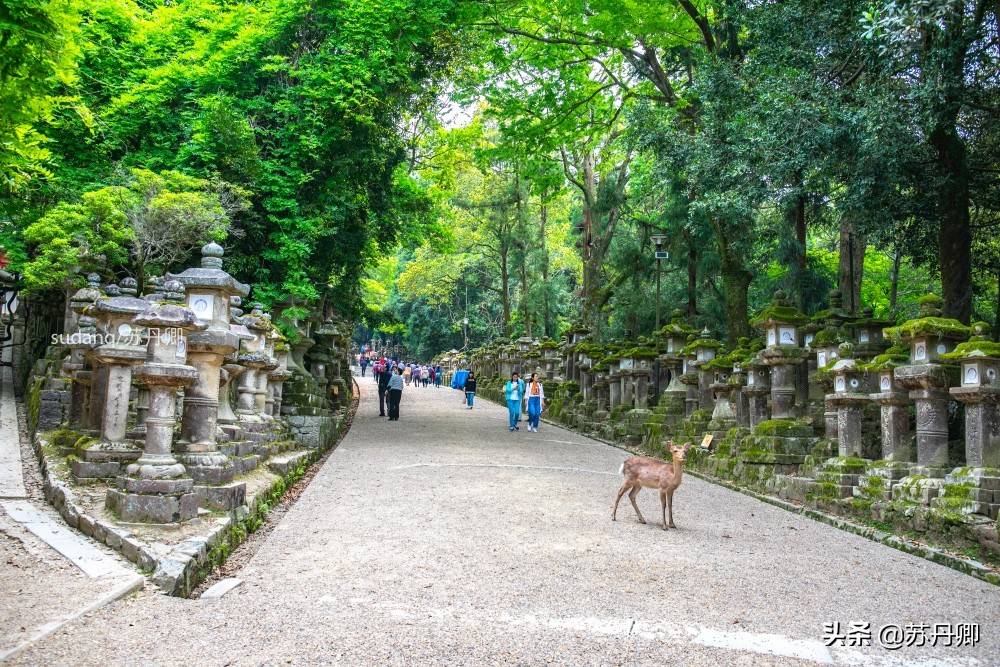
(536, 401)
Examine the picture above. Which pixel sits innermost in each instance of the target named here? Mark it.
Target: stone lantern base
(103, 461)
(140, 500)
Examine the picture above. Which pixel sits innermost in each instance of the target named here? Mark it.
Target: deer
(640, 471)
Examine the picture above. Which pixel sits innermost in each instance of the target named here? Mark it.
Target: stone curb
(180, 570)
(133, 584)
(968, 566)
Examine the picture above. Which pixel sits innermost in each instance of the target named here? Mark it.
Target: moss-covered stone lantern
(850, 395)
(780, 322)
(927, 378)
(979, 391)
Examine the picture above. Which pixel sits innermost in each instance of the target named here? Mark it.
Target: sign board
(662, 254)
(706, 442)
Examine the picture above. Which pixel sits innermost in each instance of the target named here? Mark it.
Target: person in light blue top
(514, 392)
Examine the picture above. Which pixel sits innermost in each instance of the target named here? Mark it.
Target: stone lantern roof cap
(977, 347)
(87, 295)
(779, 311)
(930, 322)
(168, 315)
(120, 304)
(210, 274)
(844, 365)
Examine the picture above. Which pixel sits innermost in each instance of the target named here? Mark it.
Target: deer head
(678, 453)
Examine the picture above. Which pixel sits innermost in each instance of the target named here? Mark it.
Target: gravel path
(444, 539)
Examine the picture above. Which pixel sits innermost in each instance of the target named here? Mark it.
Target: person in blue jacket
(514, 392)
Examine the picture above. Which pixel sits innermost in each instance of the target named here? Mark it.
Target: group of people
(392, 375)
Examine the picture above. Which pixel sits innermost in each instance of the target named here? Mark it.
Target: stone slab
(282, 464)
(70, 544)
(220, 588)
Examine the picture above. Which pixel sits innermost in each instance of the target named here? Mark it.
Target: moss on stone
(943, 327)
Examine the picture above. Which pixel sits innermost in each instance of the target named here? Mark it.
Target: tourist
(514, 392)
(383, 386)
(536, 402)
(425, 375)
(437, 376)
(407, 374)
(364, 364)
(470, 389)
(432, 373)
(395, 394)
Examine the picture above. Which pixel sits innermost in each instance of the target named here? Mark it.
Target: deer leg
(631, 496)
(618, 498)
(670, 508)
(663, 508)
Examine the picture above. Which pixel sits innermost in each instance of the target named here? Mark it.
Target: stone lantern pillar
(155, 488)
(231, 369)
(261, 392)
(757, 390)
(783, 353)
(208, 290)
(850, 395)
(614, 382)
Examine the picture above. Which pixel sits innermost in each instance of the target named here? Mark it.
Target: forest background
(413, 163)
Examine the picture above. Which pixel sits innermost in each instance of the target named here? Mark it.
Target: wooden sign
(706, 442)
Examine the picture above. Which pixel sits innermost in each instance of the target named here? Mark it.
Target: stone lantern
(120, 349)
(757, 389)
(893, 401)
(81, 340)
(276, 378)
(723, 415)
(868, 336)
(703, 349)
(780, 322)
(255, 359)
(208, 290)
(614, 380)
(980, 392)
(156, 489)
(929, 336)
(850, 395)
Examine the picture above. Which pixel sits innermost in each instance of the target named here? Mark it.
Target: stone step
(282, 464)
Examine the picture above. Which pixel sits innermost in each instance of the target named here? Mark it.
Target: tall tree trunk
(852, 264)
(736, 284)
(996, 316)
(955, 230)
(505, 291)
(894, 288)
(543, 215)
(692, 271)
(797, 215)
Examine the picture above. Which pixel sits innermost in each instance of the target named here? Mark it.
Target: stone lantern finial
(93, 281)
(113, 290)
(174, 291)
(130, 287)
(211, 255)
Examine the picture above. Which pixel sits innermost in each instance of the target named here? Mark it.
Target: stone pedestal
(894, 402)
(928, 389)
(640, 379)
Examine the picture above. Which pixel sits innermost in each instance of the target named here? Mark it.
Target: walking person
(364, 364)
(514, 391)
(395, 394)
(437, 376)
(536, 401)
(385, 374)
(470, 389)
(408, 373)
(425, 375)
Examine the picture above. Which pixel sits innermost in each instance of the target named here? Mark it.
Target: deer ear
(687, 446)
